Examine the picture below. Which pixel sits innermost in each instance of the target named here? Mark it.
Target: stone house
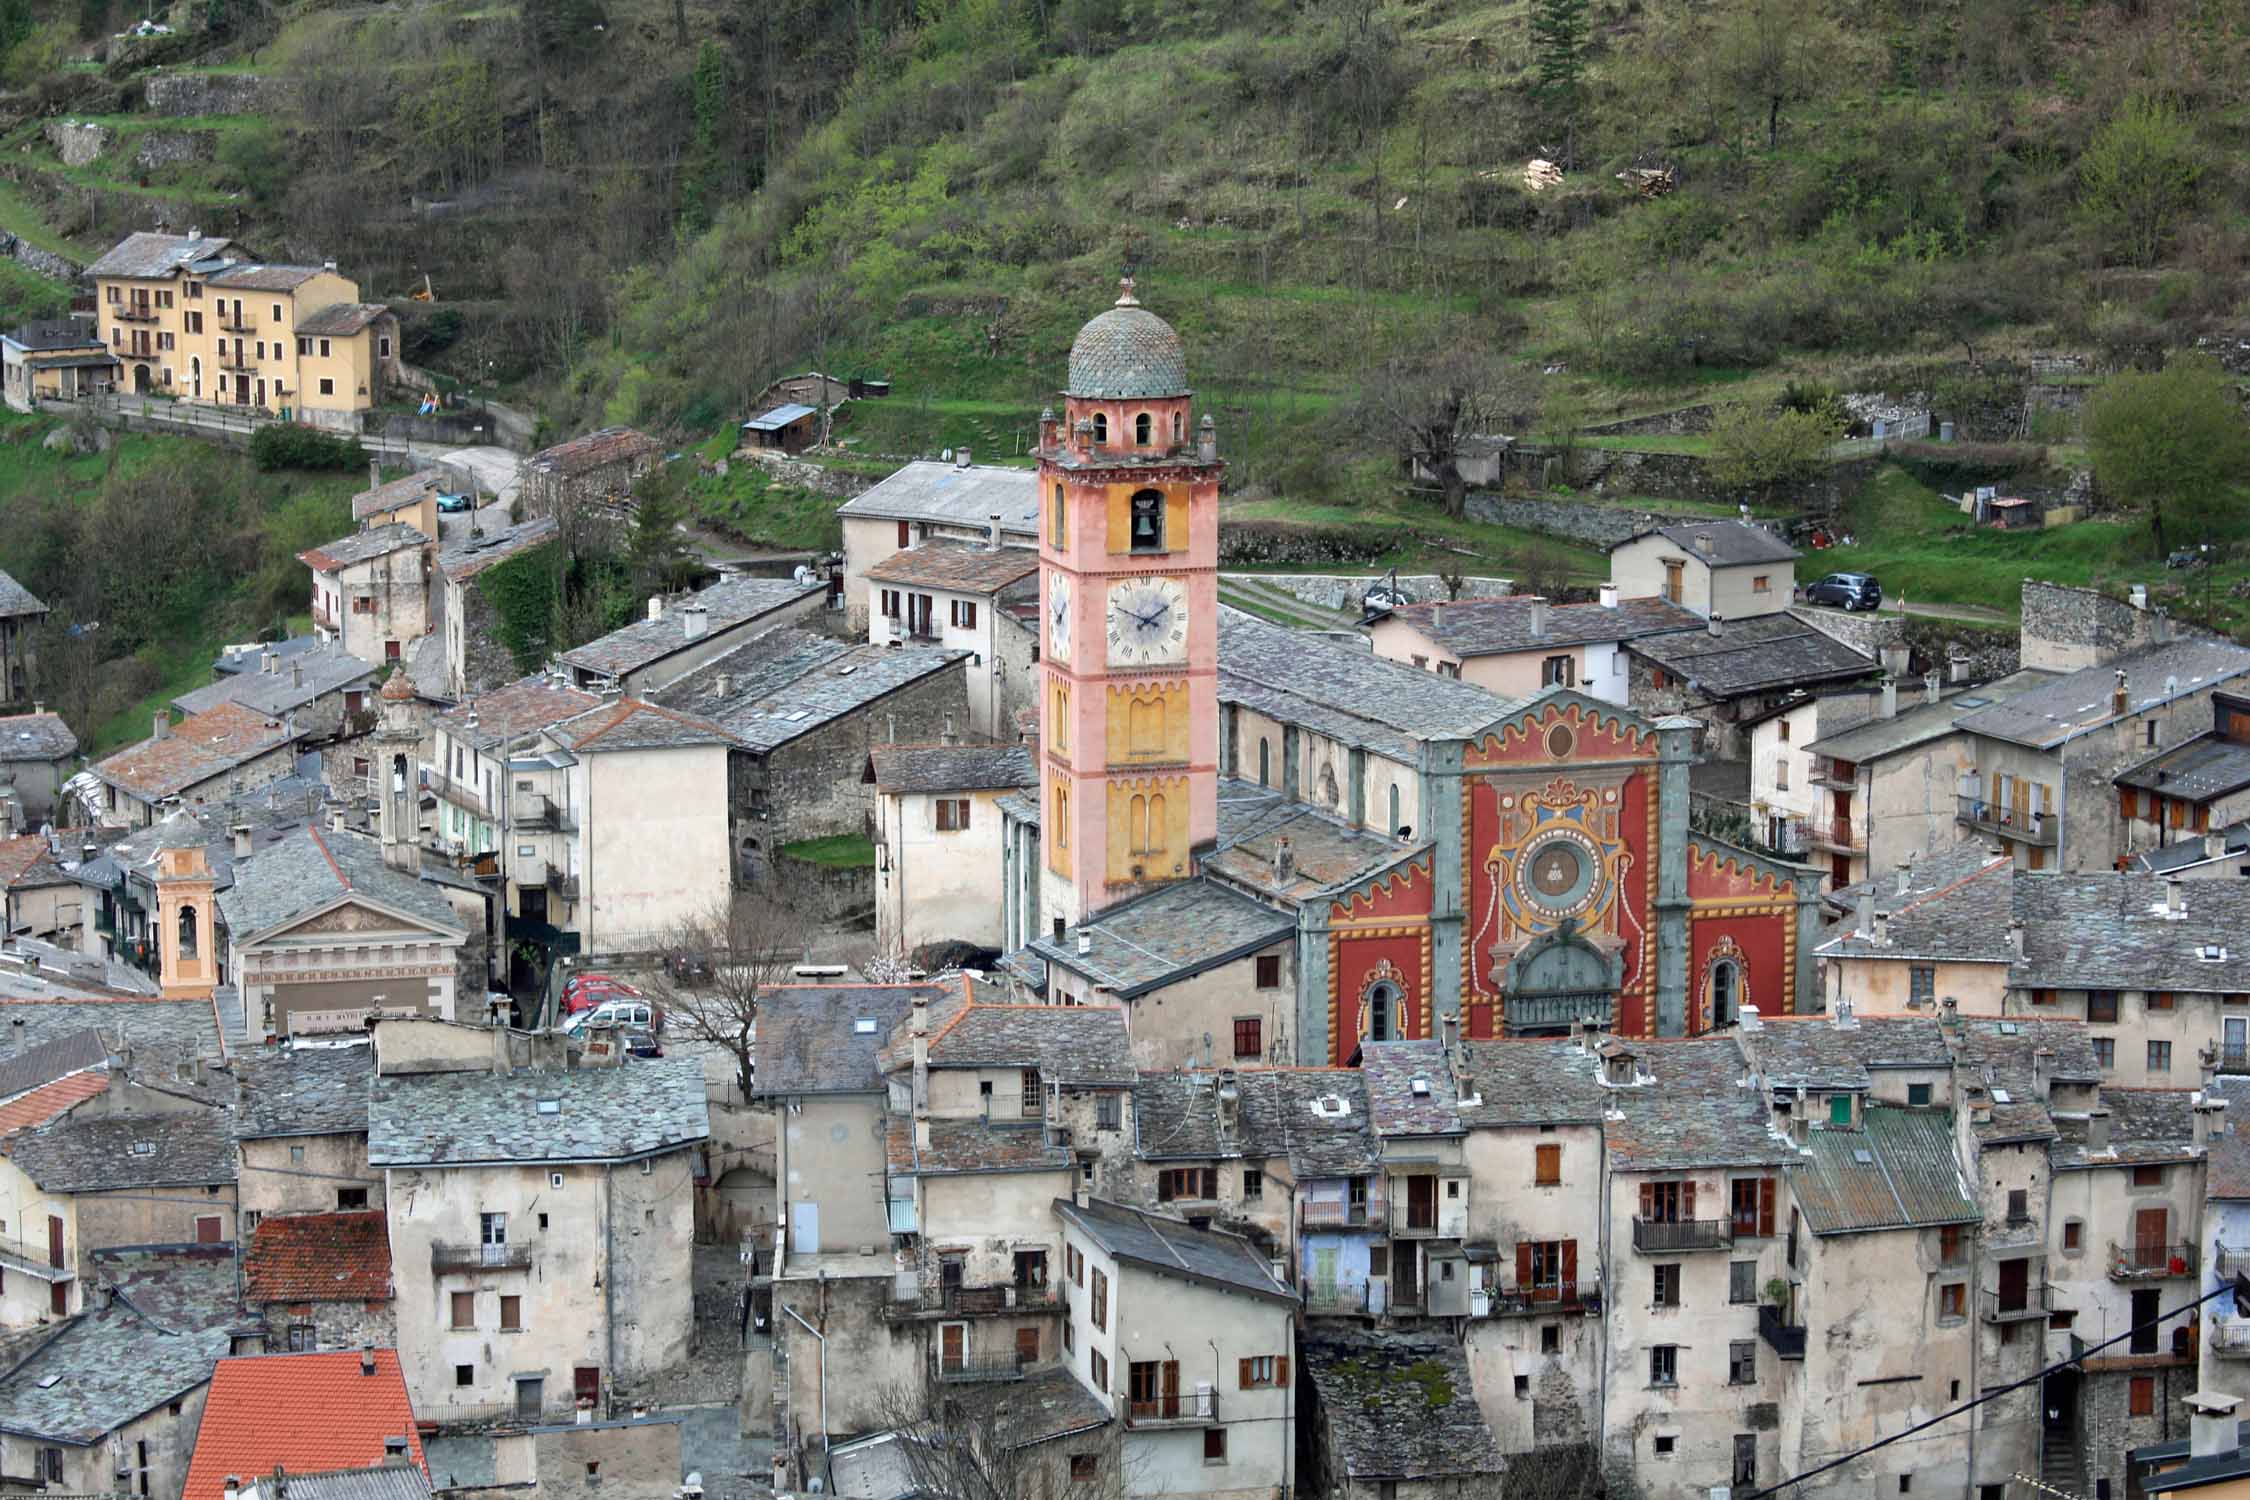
(371, 590)
(38, 1269)
(214, 756)
(517, 1174)
(21, 614)
(477, 658)
(953, 594)
(327, 693)
(1135, 1280)
(62, 359)
(275, 1415)
(929, 499)
(1392, 1419)
(39, 899)
(107, 1403)
(300, 1132)
(938, 841)
(321, 1281)
(475, 742)
(1730, 673)
(1933, 930)
(2182, 794)
(1726, 570)
(36, 754)
(597, 469)
(682, 636)
(1517, 644)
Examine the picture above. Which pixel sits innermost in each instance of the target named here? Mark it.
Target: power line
(2239, 1288)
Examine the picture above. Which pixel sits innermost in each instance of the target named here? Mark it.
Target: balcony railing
(560, 884)
(1544, 1299)
(1369, 1215)
(1185, 1409)
(2230, 1338)
(974, 1301)
(1838, 834)
(1344, 1301)
(239, 361)
(480, 1258)
(237, 323)
(2234, 1058)
(2229, 1259)
(2149, 1262)
(31, 1258)
(1555, 1012)
(462, 794)
(984, 1367)
(1786, 1338)
(1990, 817)
(538, 814)
(1788, 836)
(1653, 1236)
(2034, 1301)
(133, 312)
(1840, 776)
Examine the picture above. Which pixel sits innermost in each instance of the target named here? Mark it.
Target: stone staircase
(234, 1027)
(2061, 1468)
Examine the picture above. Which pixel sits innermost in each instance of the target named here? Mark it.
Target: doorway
(2058, 1402)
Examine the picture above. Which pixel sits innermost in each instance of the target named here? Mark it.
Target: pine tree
(1558, 51)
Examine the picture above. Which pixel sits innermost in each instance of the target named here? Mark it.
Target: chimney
(336, 820)
(695, 621)
(1609, 596)
(2042, 1071)
(992, 530)
(1882, 929)
(269, 661)
(1449, 1030)
(2210, 1119)
(240, 832)
(2015, 941)
(1703, 543)
(1957, 667)
(656, 606)
(1931, 683)
(2097, 1130)
(297, 672)
(2213, 1431)
(1284, 861)
(1748, 1020)
(1844, 1019)
(918, 1025)
(1229, 1100)
(160, 725)
(1895, 659)
(1538, 616)
(1085, 944)
(947, 736)
(1617, 1064)
(1207, 440)
(1865, 926)
(1711, 625)
(960, 458)
(1905, 876)
(2118, 699)
(2175, 901)
(234, 1484)
(2215, 844)
(367, 1359)
(1890, 698)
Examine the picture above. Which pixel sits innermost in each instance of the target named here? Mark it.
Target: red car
(585, 991)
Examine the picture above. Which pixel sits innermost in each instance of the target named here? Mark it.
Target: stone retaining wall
(1344, 591)
(1688, 421)
(45, 262)
(1684, 476)
(183, 94)
(77, 143)
(798, 474)
(1587, 521)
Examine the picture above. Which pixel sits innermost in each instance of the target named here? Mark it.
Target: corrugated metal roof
(1897, 1172)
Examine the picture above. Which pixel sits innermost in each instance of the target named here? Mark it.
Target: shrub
(285, 445)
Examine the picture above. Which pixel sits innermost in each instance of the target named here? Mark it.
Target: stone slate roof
(193, 751)
(1541, 1081)
(26, 861)
(1044, 1405)
(1177, 1117)
(1173, 1247)
(342, 1257)
(192, 1148)
(1399, 1406)
(953, 495)
(2006, 1047)
(15, 599)
(47, 335)
(725, 605)
(789, 683)
(1074, 1045)
(294, 682)
(313, 868)
(2147, 1127)
(147, 256)
(812, 1040)
(186, 1028)
(178, 1288)
(2230, 1148)
(1693, 1111)
(340, 319)
(1400, 1108)
(36, 737)
(1326, 853)
(1754, 655)
(2196, 770)
(302, 1091)
(1814, 1052)
(607, 445)
(253, 276)
(515, 709)
(1956, 909)
(1919, 721)
(1344, 692)
(2113, 931)
(106, 1367)
(911, 769)
(1173, 933)
(638, 1108)
(397, 492)
(378, 1482)
(1725, 544)
(2079, 703)
(1898, 1172)
(362, 546)
(960, 1146)
(44, 1062)
(956, 566)
(249, 658)
(1125, 352)
(1495, 626)
(466, 556)
(633, 724)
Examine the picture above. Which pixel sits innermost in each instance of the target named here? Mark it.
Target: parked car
(2185, 557)
(631, 1014)
(1846, 591)
(455, 504)
(585, 991)
(643, 1044)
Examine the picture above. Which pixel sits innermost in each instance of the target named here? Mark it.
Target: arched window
(1382, 1008)
(1101, 427)
(1726, 993)
(1145, 725)
(398, 773)
(1395, 828)
(1142, 429)
(1148, 521)
(188, 946)
(1136, 824)
(1177, 428)
(1152, 838)
(1062, 818)
(1055, 519)
(1265, 762)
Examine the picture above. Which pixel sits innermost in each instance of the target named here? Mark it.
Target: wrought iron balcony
(2034, 1301)
(1543, 1299)
(479, 1258)
(984, 1367)
(237, 323)
(1840, 835)
(133, 312)
(1528, 1013)
(34, 1258)
(240, 361)
(536, 813)
(1369, 1215)
(1656, 1236)
(976, 1301)
(2231, 1258)
(1198, 1408)
(2150, 1262)
(2230, 1338)
(2019, 827)
(1786, 1338)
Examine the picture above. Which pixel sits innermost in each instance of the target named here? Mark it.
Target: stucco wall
(655, 843)
(303, 1174)
(832, 1156)
(932, 885)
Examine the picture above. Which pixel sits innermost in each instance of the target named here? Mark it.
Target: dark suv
(1846, 591)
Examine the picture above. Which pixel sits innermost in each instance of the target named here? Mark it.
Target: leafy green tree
(2172, 443)
(656, 550)
(1764, 451)
(2138, 178)
(1558, 54)
(707, 158)
(1772, 52)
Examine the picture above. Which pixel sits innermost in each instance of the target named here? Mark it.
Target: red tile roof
(318, 1258)
(50, 1100)
(194, 750)
(306, 1412)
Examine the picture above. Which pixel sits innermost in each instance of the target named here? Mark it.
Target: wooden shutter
(2126, 800)
(1523, 1265)
(1281, 1371)
(1570, 1270)
(1765, 1205)
(1687, 1202)
(1242, 1376)
(1648, 1200)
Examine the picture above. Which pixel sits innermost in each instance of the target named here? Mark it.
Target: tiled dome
(1127, 352)
(397, 689)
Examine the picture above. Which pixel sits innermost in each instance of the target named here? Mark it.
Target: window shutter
(1648, 1200)
(1523, 1264)
(1570, 1269)
(1281, 1371)
(1120, 521)
(1687, 1201)
(1765, 1205)
(1242, 1376)
(2126, 799)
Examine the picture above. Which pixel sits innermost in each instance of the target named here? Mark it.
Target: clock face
(1148, 622)
(1058, 617)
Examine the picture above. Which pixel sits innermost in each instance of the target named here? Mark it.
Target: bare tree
(718, 966)
(1000, 1442)
(1430, 401)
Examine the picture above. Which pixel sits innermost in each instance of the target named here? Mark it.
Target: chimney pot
(656, 606)
(1711, 625)
(1890, 698)
(2212, 1429)
(2175, 899)
(160, 725)
(1538, 616)
(1865, 926)
(1609, 596)
(2118, 698)
(1905, 877)
(2097, 1130)
(2015, 941)
(992, 524)
(695, 621)
(241, 836)
(1284, 861)
(1932, 685)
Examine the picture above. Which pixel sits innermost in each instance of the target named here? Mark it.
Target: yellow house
(198, 319)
